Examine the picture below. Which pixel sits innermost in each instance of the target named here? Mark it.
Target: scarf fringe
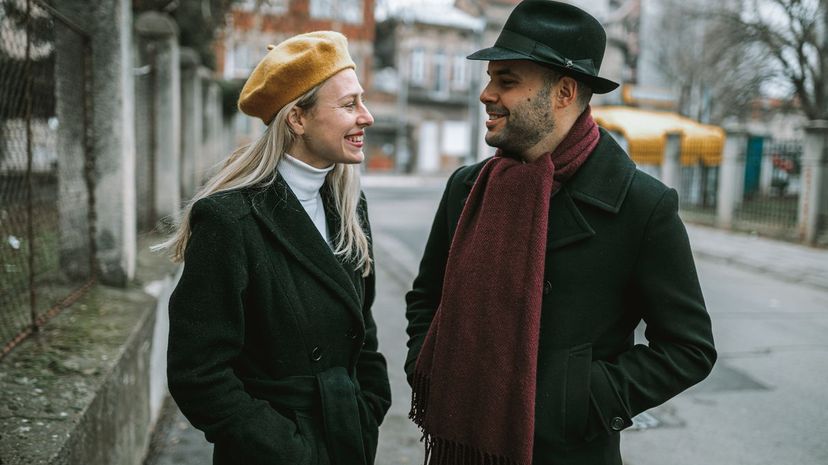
(419, 399)
(440, 451)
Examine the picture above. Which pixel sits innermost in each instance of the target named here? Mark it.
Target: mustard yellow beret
(292, 68)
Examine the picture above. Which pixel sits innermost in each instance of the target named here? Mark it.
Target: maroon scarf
(475, 378)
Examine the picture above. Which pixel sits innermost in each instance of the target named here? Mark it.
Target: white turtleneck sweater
(305, 181)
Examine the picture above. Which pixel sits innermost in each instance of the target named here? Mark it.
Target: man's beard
(525, 125)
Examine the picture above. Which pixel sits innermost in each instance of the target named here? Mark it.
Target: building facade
(423, 90)
(254, 24)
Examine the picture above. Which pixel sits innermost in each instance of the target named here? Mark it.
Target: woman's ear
(296, 120)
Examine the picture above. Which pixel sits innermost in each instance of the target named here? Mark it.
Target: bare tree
(714, 76)
(793, 37)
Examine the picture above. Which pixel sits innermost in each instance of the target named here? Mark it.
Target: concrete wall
(88, 388)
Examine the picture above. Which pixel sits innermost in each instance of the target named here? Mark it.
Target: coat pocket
(370, 429)
(312, 432)
(576, 402)
(562, 401)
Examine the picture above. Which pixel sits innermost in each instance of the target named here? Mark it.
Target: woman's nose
(365, 118)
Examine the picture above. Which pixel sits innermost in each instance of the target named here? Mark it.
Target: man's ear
(566, 92)
(296, 120)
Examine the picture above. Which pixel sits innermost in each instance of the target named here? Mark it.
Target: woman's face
(332, 131)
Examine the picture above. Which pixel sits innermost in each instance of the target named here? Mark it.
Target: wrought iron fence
(771, 189)
(46, 218)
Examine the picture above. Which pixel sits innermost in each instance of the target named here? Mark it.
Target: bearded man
(540, 264)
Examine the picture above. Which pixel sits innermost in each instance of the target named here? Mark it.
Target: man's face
(517, 100)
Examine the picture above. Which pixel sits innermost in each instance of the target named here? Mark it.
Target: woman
(273, 349)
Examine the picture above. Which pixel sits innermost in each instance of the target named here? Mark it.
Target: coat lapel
(278, 209)
(602, 182)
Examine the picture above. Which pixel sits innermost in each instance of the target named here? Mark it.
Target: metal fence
(46, 218)
(698, 188)
(771, 188)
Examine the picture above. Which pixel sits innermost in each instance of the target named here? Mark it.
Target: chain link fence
(46, 247)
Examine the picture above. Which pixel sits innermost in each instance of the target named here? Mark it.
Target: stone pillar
(671, 165)
(813, 199)
(731, 177)
(72, 72)
(158, 38)
(113, 147)
(213, 130)
(191, 121)
(766, 170)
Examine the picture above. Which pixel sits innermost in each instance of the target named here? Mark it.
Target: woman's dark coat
(617, 254)
(273, 348)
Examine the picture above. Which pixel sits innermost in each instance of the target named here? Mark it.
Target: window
(459, 79)
(266, 7)
(440, 73)
(417, 74)
(349, 11)
(237, 60)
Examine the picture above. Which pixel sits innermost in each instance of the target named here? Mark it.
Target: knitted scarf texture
(475, 378)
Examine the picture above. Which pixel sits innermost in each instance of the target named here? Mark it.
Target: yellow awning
(646, 134)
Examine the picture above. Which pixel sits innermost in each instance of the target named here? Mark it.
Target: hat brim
(598, 85)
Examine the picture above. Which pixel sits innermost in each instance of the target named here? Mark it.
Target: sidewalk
(782, 260)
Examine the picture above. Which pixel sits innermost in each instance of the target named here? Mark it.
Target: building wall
(429, 95)
(249, 31)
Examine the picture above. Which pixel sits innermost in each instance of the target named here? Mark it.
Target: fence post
(159, 33)
(671, 166)
(731, 177)
(191, 120)
(109, 23)
(766, 169)
(812, 199)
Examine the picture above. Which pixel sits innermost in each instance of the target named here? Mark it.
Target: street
(764, 404)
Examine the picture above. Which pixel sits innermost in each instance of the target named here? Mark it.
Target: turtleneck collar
(304, 180)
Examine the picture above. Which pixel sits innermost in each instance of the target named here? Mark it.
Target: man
(540, 264)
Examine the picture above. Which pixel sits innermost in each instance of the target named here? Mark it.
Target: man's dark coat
(617, 254)
(273, 348)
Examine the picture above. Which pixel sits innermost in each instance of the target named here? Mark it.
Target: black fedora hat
(555, 34)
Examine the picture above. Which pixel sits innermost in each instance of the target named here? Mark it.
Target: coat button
(316, 354)
(547, 287)
(351, 334)
(617, 424)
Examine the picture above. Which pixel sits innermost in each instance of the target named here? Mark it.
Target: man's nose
(487, 96)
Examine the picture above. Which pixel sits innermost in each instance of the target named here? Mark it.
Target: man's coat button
(316, 354)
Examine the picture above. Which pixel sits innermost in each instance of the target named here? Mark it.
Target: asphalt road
(765, 403)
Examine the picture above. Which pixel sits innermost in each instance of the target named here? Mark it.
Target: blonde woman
(273, 349)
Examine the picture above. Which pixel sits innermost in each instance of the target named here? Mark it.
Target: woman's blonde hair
(255, 164)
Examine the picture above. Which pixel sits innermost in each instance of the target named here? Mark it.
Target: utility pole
(474, 101)
(401, 163)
